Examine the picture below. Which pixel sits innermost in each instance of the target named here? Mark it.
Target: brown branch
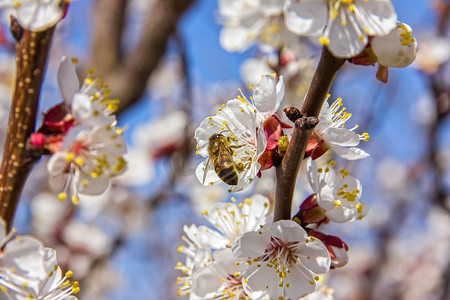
(107, 34)
(128, 78)
(32, 52)
(287, 171)
(321, 83)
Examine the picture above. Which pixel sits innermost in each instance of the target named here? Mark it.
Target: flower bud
(310, 212)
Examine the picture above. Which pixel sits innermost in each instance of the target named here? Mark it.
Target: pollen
(70, 157)
(359, 208)
(62, 196)
(74, 60)
(324, 41)
(79, 161)
(75, 199)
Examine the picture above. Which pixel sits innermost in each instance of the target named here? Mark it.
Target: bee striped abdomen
(225, 169)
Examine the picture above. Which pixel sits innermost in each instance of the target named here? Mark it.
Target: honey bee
(221, 154)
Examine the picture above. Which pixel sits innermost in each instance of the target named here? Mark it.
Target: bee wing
(205, 173)
(206, 170)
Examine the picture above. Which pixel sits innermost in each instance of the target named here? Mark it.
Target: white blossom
(91, 155)
(35, 15)
(204, 246)
(337, 194)
(220, 279)
(30, 271)
(282, 261)
(397, 49)
(268, 94)
(238, 122)
(331, 130)
(89, 104)
(346, 24)
(249, 21)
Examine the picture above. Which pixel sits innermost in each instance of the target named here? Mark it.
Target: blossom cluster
(30, 271)
(238, 135)
(345, 27)
(248, 257)
(81, 134)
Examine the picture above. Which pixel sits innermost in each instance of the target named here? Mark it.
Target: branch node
(16, 29)
(306, 123)
(292, 113)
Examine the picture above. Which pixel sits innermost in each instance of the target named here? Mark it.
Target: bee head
(215, 136)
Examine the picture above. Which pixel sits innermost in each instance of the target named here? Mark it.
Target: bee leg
(239, 166)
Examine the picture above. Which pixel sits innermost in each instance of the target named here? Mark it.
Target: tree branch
(317, 93)
(32, 51)
(107, 34)
(129, 75)
(287, 171)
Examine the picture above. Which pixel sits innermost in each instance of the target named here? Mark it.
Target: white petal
(207, 280)
(287, 230)
(265, 95)
(210, 175)
(39, 15)
(345, 40)
(82, 106)
(352, 153)
(252, 69)
(341, 214)
(326, 197)
(314, 256)
(306, 17)
(299, 279)
(91, 186)
(341, 137)
(313, 175)
(376, 17)
(27, 256)
(67, 80)
(393, 50)
(260, 281)
(251, 244)
(271, 7)
(57, 164)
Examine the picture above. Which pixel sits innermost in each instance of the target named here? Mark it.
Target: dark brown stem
(32, 52)
(317, 93)
(321, 83)
(287, 171)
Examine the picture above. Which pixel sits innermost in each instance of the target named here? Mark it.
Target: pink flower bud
(37, 140)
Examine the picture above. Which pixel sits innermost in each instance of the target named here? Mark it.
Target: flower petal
(306, 17)
(352, 153)
(341, 137)
(67, 80)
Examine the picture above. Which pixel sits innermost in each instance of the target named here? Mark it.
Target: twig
(32, 51)
(287, 171)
